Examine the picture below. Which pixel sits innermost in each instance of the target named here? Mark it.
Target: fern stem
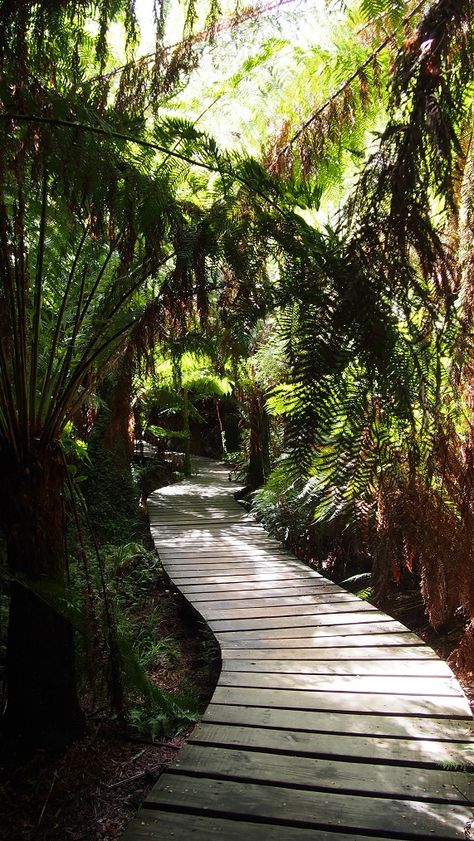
(37, 304)
(59, 324)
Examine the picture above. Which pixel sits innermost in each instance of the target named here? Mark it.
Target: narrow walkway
(330, 720)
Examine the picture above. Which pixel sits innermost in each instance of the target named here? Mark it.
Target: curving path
(330, 720)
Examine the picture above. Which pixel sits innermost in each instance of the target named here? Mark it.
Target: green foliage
(122, 226)
(112, 499)
(161, 432)
(376, 340)
(132, 574)
(127, 620)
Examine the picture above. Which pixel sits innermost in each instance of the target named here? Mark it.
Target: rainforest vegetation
(257, 235)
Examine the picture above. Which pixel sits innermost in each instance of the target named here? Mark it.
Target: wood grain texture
(308, 808)
(159, 825)
(405, 750)
(400, 726)
(331, 721)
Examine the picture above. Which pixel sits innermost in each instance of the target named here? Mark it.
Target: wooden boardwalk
(330, 720)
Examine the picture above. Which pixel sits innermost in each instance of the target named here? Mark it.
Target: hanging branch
(248, 14)
(145, 144)
(346, 84)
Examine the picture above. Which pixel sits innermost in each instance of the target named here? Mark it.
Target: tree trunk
(187, 433)
(259, 454)
(119, 427)
(109, 490)
(42, 702)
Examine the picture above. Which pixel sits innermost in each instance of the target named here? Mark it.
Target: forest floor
(90, 791)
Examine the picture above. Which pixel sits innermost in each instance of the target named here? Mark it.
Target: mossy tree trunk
(118, 426)
(109, 491)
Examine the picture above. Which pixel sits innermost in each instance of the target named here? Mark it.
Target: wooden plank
(190, 558)
(390, 726)
(224, 535)
(209, 546)
(386, 633)
(395, 667)
(383, 685)
(204, 521)
(227, 571)
(224, 566)
(234, 596)
(364, 614)
(288, 596)
(226, 607)
(326, 774)
(218, 548)
(288, 607)
(317, 607)
(349, 702)
(206, 542)
(220, 533)
(227, 556)
(154, 824)
(368, 624)
(412, 819)
(229, 526)
(204, 518)
(404, 750)
(211, 536)
(224, 553)
(245, 549)
(298, 580)
(235, 578)
(241, 590)
(249, 568)
(414, 653)
(218, 552)
(234, 514)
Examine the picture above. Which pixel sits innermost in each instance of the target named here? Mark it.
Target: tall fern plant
(379, 337)
(86, 215)
(65, 288)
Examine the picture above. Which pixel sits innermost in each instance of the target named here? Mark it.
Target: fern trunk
(118, 435)
(109, 490)
(42, 702)
(259, 447)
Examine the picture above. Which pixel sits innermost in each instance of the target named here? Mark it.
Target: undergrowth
(132, 637)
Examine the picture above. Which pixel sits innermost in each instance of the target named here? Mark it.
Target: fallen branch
(147, 772)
